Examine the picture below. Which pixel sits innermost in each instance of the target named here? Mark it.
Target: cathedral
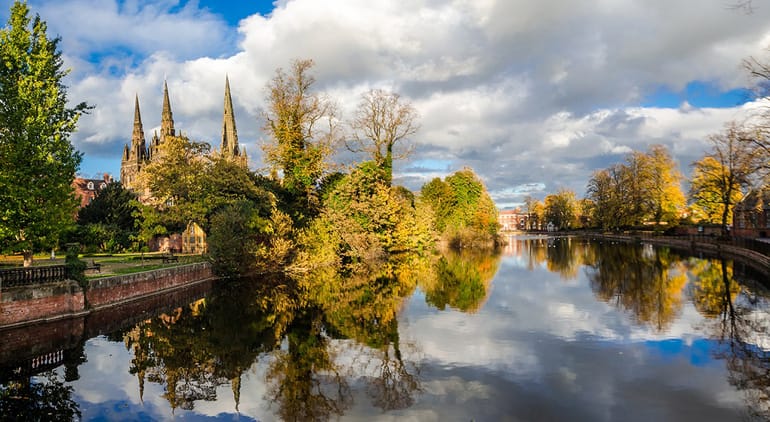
(138, 154)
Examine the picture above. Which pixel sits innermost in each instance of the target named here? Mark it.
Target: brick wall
(26, 342)
(19, 304)
(124, 315)
(112, 290)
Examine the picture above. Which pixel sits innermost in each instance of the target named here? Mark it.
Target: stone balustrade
(15, 277)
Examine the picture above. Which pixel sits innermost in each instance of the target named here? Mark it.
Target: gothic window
(102, 186)
(90, 185)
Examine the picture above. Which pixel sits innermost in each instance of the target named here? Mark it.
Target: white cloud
(527, 93)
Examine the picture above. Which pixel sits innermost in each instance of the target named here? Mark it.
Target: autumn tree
(464, 212)
(302, 126)
(37, 160)
(729, 167)
(609, 196)
(383, 122)
(365, 221)
(170, 186)
(644, 188)
(535, 212)
(663, 187)
(561, 209)
(709, 189)
(184, 183)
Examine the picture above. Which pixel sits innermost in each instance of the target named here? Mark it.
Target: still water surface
(549, 329)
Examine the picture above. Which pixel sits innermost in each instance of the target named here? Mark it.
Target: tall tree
(712, 192)
(300, 146)
(561, 209)
(726, 170)
(465, 213)
(113, 213)
(601, 193)
(171, 186)
(383, 121)
(664, 189)
(646, 187)
(37, 160)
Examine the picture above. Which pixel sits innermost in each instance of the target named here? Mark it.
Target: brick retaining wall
(30, 303)
(45, 302)
(113, 290)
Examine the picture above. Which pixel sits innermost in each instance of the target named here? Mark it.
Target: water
(551, 329)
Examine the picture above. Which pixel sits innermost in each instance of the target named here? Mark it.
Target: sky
(533, 95)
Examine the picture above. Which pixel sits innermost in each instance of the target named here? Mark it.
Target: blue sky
(234, 11)
(534, 95)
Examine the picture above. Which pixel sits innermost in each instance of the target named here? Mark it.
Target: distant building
(87, 189)
(194, 240)
(137, 155)
(512, 220)
(751, 216)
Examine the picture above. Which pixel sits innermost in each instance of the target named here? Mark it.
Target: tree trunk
(725, 213)
(27, 258)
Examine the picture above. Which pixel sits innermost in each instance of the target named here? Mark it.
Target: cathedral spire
(135, 153)
(229, 146)
(167, 118)
(137, 137)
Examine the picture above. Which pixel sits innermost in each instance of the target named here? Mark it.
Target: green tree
(114, 211)
(37, 160)
(465, 213)
(171, 187)
(364, 220)
(299, 147)
(232, 239)
(383, 121)
(440, 196)
(561, 209)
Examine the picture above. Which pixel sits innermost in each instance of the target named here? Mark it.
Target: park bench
(93, 265)
(168, 258)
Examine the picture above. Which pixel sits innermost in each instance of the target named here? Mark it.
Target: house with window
(194, 239)
(87, 189)
(751, 216)
(512, 220)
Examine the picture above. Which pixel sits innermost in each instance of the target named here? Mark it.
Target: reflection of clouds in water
(107, 390)
(539, 349)
(556, 341)
(107, 365)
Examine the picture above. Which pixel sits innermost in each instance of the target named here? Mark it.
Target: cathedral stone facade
(138, 154)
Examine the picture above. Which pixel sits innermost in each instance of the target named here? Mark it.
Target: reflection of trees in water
(197, 348)
(45, 398)
(305, 382)
(461, 280)
(741, 325)
(647, 282)
(364, 307)
(563, 255)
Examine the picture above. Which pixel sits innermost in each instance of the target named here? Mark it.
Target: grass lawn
(134, 263)
(110, 264)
